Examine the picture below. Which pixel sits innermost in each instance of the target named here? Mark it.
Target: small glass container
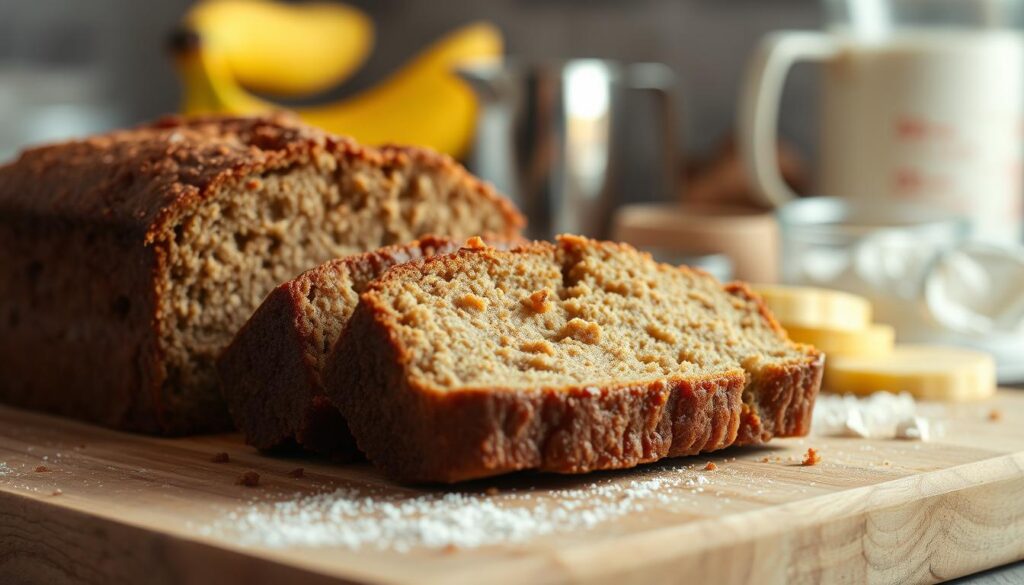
(864, 247)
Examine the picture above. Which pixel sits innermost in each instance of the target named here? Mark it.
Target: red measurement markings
(1014, 205)
(908, 182)
(911, 183)
(915, 129)
(910, 129)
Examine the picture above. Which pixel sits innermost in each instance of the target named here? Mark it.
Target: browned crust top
(142, 176)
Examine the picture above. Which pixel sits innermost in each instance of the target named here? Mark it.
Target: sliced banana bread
(129, 260)
(566, 357)
(271, 374)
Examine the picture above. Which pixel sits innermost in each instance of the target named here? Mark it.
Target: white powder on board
(882, 415)
(356, 519)
(5, 469)
(377, 519)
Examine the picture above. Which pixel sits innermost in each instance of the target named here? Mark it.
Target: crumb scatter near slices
(249, 479)
(812, 457)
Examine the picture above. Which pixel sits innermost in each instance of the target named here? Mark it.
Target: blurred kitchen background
(112, 55)
(908, 127)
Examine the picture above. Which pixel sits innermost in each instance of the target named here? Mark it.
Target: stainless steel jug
(551, 136)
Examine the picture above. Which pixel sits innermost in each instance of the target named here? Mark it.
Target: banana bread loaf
(271, 373)
(129, 260)
(566, 357)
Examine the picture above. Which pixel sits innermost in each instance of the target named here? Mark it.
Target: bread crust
(424, 434)
(780, 403)
(142, 178)
(83, 253)
(271, 373)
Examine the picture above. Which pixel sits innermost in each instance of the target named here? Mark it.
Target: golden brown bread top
(142, 177)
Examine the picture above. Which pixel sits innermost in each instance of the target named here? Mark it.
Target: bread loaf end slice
(568, 357)
(271, 373)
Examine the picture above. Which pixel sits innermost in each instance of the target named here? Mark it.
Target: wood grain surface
(120, 508)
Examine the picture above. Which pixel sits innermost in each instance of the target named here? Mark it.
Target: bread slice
(271, 374)
(129, 260)
(567, 357)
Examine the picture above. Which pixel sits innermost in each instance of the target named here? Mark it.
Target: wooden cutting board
(116, 508)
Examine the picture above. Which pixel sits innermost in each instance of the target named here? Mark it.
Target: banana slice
(927, 372)
(873, 340)
(816, 307)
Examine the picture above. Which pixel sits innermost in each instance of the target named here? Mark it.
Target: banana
(282, 49)
(207, 84)
(423, 103)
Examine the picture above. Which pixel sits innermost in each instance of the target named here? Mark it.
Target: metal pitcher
(551, 136)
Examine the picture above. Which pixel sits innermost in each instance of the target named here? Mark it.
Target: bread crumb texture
(227, 254)
(812, 457)
(476, 242)
(574, 313)
(538, 301)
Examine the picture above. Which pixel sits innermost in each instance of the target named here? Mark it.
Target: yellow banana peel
(209, 88)
(424, 103)
(284, 49)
